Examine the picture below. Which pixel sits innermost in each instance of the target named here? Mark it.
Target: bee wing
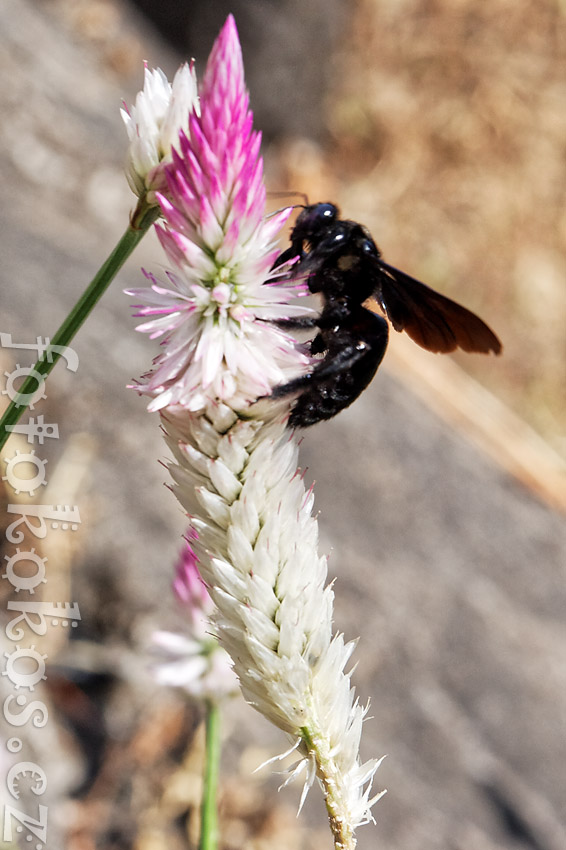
(433, 321)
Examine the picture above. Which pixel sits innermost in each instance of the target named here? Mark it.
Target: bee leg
(319, 344)
(296, 323)
(295, 250)
(340, 362)
(353, 355)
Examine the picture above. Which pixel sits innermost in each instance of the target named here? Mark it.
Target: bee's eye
(326, 212)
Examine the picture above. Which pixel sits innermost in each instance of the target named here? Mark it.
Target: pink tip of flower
(225, 66)
(188, 585)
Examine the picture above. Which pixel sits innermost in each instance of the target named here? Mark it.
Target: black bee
(341, 261)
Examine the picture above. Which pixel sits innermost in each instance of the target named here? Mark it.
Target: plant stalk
(141, 221)
(209, 808)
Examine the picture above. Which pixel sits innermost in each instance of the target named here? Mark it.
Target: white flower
(153, 124)
(218, 342)
(199, 666)
(257, 547)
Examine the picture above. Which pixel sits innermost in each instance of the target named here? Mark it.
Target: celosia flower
(213, 310)
(193, 659)
(258, 547)
(153, 124)
(235, 468)
(190, 589)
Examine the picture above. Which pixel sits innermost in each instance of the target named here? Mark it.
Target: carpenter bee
(340, 260)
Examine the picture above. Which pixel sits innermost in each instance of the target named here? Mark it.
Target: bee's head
(315, 220)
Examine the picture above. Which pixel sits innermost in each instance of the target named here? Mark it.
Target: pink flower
(190, 589)
(192, 657)
(222, 247)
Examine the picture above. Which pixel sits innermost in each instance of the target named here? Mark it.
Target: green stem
(141, 221)
(209, 811)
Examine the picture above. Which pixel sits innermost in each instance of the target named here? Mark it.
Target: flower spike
(213, 313)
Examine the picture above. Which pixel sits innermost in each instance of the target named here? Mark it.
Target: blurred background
(442, 127)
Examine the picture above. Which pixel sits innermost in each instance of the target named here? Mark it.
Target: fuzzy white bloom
(199, 666)
(257, 544)
(235, 469)
(160, 112)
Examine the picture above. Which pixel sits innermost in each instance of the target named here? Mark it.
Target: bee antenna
(290, 195)
(280, 209)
